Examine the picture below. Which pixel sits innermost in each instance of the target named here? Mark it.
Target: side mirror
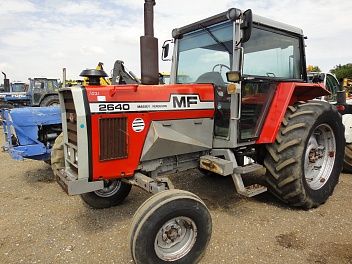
(246, 25)
(167, 50)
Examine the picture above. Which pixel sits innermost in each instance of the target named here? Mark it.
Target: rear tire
(51, 100)
(171, 226)
(304, 163)
(347, 160)
(114, 193)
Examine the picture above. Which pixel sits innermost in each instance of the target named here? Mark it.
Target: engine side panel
(175, 137)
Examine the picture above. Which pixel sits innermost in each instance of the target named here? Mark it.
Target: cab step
(225, 167)
(247, 168)
(220, 166)
(248, 191)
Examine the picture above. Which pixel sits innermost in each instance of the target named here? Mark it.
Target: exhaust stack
(6, 83)
(149, 47)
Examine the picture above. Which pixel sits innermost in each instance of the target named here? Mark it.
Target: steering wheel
(221, 66)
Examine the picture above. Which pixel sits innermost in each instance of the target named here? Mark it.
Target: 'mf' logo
(184, 101)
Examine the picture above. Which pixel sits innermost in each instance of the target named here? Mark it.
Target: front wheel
(113, 193)
(304, 163)
(171, 226)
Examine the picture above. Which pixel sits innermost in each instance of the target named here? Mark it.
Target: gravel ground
(41, 224)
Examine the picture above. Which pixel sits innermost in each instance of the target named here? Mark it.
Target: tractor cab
(245, 57)
(42, 88)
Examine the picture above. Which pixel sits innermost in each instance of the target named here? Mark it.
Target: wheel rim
(110, 188)
(320, 156)
(175, 238)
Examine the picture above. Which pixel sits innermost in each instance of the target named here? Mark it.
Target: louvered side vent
(113, 138)
(71, 121)
(71, 117)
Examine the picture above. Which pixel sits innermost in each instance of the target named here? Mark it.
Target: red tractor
(246, 105)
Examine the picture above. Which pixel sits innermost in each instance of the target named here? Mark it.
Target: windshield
(53, 85)
(18, 87)
(39, 83)
(203, 52)
(272, 54)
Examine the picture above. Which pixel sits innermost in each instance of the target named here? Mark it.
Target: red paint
(287, 94)
(143, 93)
(148, 93)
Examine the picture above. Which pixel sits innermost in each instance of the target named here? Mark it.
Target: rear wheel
(304, 163)
(347, 161)
(114, 193)
(171, 226)
(51, 100)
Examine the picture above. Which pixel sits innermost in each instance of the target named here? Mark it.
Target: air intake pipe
(149, 47)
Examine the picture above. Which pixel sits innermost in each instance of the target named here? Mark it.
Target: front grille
(71, 121)
(113, 138)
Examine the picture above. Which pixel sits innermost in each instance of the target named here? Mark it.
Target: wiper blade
(215, 39)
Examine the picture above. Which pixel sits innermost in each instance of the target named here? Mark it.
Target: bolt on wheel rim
(175, 238)
(110, 188)
(320, 156)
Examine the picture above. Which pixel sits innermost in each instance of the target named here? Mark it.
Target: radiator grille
(113, 138)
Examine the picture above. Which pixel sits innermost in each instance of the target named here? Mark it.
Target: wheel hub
(171, 233)
(110, 188)
(319, 157)
(175, 238)
(316, 153)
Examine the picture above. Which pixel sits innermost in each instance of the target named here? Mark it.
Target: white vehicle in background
(338, 96)
(330, 81)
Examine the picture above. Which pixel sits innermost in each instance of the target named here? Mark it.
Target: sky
(38, 38)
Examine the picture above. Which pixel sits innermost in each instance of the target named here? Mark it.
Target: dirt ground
(41, 224)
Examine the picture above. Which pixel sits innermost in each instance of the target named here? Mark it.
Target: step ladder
(225, 167)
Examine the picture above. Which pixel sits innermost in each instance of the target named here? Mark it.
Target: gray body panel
(175, 137)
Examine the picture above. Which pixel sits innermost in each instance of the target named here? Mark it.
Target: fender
(287, 94)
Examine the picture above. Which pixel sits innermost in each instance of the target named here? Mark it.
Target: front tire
(171, 226)
(114, 193)
(305, 161)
